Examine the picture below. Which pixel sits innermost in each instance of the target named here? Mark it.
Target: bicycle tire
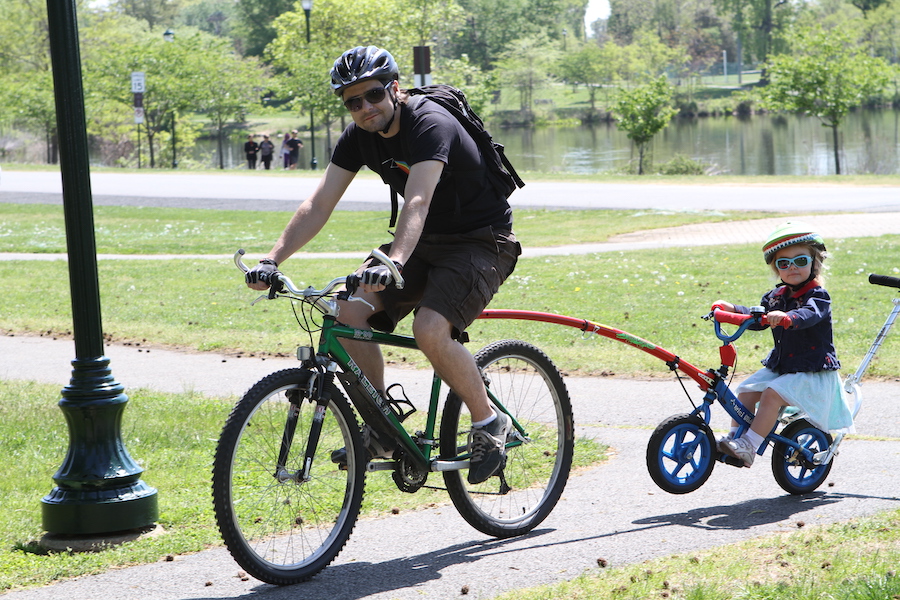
(284, 532)
(681, 454)
(531, 388)
(794, 475)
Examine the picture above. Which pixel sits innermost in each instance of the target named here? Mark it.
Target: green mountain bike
(285, 507)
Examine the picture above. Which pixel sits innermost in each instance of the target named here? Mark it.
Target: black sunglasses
(373, 96)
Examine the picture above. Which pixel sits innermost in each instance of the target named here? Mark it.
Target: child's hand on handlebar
(723, 305)
(778, 318)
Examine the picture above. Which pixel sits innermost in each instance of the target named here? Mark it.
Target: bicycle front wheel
(280, 524)
(530, 388)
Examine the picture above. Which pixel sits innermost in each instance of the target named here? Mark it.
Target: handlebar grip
(239, 262)
(885, 280)
(723, 316)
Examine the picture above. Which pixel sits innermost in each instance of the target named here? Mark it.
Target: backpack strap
(395, 205)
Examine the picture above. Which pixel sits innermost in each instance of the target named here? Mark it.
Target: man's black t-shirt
(464, 199)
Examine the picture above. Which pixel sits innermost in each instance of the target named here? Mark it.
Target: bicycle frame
(364, 397)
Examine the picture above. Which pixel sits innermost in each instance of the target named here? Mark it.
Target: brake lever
(351, 286)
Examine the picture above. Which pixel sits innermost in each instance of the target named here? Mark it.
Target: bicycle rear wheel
(531, 389)
(792, 471)
(278, 526)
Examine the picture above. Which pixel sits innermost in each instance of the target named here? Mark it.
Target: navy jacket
(808, 344)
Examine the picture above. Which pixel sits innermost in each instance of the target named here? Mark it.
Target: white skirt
(820, 395)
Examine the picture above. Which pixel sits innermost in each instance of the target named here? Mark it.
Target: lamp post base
(120, 509)
(98, 487)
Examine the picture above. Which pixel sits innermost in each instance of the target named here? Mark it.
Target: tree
(157, 13)
(255, 23)
(226, 86)
(868, 5)
(24, 37)
(491, 26)
(195, 73)
(32, 105)
(303, 68)
(757, 22)
(595, 67)
(526, 67)
(827, 75)
(643, 112)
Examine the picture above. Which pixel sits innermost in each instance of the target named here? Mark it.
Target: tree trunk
(640, 159)
(221, 149)
(837, 157)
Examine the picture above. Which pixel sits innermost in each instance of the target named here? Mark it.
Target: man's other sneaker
(741, 449)
(372, 443)
(488, 447)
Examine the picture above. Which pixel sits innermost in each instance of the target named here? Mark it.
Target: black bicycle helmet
(362, 63)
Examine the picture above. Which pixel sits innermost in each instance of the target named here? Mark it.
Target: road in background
(245, 192)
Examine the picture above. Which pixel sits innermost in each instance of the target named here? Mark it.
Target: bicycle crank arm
(440, 466)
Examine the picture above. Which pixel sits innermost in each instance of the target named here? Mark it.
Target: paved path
(278, 192)
(613, 511)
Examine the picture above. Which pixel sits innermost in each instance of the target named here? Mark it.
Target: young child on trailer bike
(453, 242)
(802, 368)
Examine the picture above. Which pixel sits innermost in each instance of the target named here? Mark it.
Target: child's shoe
(741, 449)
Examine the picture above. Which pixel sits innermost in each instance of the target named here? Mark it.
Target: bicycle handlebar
(310, 291)
(743, 321)
(723, 316)
(885, 280)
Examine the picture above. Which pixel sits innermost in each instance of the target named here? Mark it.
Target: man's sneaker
(741, 449)
(372, 443)
(488, 447)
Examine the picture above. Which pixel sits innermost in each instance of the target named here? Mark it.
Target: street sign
(138, 82)
(138, 115)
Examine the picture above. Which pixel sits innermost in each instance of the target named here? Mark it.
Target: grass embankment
(202, 304)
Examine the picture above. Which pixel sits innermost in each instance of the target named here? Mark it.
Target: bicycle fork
(295, 397)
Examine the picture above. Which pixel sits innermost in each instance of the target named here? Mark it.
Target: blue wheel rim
(812, 440)
(685, 455)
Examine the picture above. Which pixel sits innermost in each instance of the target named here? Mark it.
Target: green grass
(657, 295)
(856, 560)
(40, 228)
(203, 304)
(173, 437)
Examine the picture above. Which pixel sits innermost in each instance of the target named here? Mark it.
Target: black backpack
(502, 174)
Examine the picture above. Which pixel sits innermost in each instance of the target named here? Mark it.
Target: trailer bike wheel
(793, 472)
(681, 454)
(280, 524)
(531, 389)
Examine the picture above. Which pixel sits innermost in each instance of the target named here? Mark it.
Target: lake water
(756, 145)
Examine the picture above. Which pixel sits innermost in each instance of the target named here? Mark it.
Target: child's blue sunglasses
(798, 261)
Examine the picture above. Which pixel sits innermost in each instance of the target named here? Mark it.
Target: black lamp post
(169, 36)
(98, 487)
(313, 163)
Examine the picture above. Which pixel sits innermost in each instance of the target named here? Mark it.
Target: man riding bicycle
(453, 243)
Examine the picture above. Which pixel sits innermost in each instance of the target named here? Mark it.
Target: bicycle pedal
(730, 460)
(396, 404)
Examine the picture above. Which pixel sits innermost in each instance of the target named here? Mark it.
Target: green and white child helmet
(790, 234)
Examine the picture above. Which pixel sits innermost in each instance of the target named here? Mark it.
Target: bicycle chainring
(408, 477)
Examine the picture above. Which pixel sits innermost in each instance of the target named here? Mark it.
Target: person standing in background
(286, 151)
(266, 150)
(251, 149)
(295, 144)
